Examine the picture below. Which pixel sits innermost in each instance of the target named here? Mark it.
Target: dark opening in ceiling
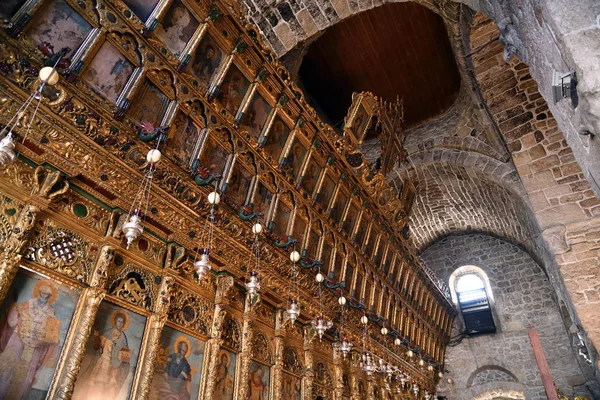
(396, 49)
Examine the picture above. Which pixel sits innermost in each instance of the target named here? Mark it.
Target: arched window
(471, 292)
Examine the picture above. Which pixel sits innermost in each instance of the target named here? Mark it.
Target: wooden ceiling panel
(396, 49)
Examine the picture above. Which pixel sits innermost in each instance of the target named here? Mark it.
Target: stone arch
(501, 394)
(490, 373)
(453, 198)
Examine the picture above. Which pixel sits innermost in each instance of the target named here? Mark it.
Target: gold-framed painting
(256, 114)
(259, 379)
(206, 60)
(178, 366)
(232, 89)
(360, 116)
(225, 375)
(111, 355)
(177, 27)
(149, 104)
(35, 317)
(274, 139)
(72, 31)
(310, 176)
(291, 387)
(109, 71)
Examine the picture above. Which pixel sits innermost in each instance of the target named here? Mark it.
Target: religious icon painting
(295, 158)
(178, 366)
(258, 381)
(141, 8)
(10, 8)
(34, 319)
(58, 24)
(326, 255)
(213, 157)
(111, 356)
(325, 193)
(299, 229)
(274, 142)
(149, 105)
(108, 72)
(206, 60)
(177, 27)
(348, 277)
(359, 123)
(351, 218)
(233, 89)
(361, 232)
(311, 176)
(183, 139)
(282, 217)
(238, 186)
(312, 245)
(337, 211)
(370, 245)
(291, 387)
(224, 376)
(256, 115)
(262, 200)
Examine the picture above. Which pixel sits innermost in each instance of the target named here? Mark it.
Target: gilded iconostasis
(85, 315)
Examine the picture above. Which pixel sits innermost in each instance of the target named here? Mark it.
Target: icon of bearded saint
(29, 339)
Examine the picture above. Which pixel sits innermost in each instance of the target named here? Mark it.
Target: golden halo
(187, 341)
(226, 355)
(113, 319)
(46, 283)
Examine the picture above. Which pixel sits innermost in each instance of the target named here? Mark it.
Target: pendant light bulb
(154, 156)
(257, 228)
(364, 319)
(397, 342)
(384, 331)
(294, 256)
(49, 76)
(214, 198)
(342, 301)
(320, 278)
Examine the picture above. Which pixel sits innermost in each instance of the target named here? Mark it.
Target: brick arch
(454, 198)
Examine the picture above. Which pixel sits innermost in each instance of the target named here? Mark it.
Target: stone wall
(522, 295)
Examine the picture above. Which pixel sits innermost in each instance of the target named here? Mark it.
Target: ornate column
(278, 367)
(48, 186)
(246, 354)
(14, 245)
(309, 374)
(338, 375)
(354, 379)
(83, 321)
(370, 387)
(151, 339)
(211, 353)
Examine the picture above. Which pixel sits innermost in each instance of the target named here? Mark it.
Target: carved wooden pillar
(354, 380)
(12, 249)
(247, 351)
(49, 185)
(309, 374)
(371, 387)
(213, 346)
(338, 375)
(83, 321)
(278, 367)
(151, 339)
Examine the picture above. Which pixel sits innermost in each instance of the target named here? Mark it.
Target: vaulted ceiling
(399, 49)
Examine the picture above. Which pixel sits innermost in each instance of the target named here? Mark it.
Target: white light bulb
(342, 301)
(410, 353)
(397, 342)
(294, 256)
(214, 198)
(320, 278)
(441, 374)
(364, 319)
(421, 363)
(257, 228)
(384, 331)
(154, 156)
(49, 76)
